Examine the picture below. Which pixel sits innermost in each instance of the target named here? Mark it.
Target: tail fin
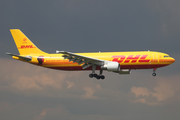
(23, 44)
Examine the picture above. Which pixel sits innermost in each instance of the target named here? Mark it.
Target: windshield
(166, 56)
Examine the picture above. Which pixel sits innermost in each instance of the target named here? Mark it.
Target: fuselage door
(154, 57)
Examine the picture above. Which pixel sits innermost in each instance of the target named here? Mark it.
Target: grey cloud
(94, 25)
(68, 95)
(165, 91)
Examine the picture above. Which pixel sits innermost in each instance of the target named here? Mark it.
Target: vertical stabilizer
(24, 45)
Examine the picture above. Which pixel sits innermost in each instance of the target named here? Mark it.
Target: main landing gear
(96, 76)
(93, 74)
(154, 72)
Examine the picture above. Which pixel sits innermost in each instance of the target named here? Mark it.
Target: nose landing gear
(154, 72)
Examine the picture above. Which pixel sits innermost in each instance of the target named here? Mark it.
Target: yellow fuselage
(127, 60)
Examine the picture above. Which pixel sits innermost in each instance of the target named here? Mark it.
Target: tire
(102, 77)
(98, 77)
(154, 74)
(95, 75)
(91, 75)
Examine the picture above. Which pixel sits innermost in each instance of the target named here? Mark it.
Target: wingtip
(7, 53)
(57, 51)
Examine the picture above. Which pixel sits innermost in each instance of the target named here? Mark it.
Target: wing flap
(84, 66)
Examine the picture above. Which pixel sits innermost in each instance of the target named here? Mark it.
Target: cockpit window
(166, 56)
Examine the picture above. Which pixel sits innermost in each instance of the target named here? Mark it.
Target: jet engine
(111, 66)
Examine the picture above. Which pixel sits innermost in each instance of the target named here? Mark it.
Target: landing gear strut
(93, 74)
(100, 75)
(154, 72)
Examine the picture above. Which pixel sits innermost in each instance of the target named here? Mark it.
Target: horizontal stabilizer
(26, 58)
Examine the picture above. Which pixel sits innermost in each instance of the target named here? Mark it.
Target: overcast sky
(29, 92)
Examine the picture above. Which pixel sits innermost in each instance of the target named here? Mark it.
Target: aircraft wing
(80, 59)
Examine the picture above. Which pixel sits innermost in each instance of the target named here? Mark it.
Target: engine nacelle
(111, 66)
(125, 71)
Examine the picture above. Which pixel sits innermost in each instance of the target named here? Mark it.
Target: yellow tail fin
(24, 45)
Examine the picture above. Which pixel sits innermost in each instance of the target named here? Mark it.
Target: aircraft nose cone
(172, 60)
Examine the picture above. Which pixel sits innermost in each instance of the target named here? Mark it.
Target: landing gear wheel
(91, 75)
(102, 77)
(98, 77)
(154, 74)
(95, 75)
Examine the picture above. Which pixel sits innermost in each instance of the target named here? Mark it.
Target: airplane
(118, 62)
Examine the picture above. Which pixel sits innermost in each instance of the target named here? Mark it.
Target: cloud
(5, 106)
(89, 93)
(29, 80)
(70, 84)
(165, 90)
(60, 112)
(42, 114)
(140, 91)
(72, 95)
(23, 78)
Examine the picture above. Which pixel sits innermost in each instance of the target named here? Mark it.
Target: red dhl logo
(130, 58)
(26, 46)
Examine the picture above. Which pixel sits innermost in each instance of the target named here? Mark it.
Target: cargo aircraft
(118, 62)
